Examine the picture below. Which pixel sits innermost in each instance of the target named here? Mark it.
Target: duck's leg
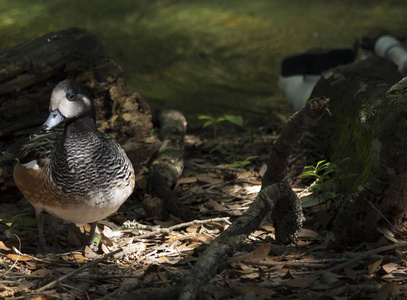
(43, 246)
(91, 236)
(39, 215)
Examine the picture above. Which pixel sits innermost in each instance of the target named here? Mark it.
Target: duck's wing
(14, 149)
(38, 148)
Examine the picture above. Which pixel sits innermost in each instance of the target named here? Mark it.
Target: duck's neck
(84, 124)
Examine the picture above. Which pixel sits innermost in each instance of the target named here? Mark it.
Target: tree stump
(30, 71)
(368, 127)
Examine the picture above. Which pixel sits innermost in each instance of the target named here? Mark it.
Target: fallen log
(167, 167)
(367, 128)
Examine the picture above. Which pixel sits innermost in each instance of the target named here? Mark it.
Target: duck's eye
(70, 95)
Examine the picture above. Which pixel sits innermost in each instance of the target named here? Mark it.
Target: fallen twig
(16, 251)
(296, 264)
(57, 281)
(217, 194)
(363, 256)
(159, 230)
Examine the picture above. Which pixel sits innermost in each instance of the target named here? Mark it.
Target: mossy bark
(30, 71)
(167, 167)
(368, 127)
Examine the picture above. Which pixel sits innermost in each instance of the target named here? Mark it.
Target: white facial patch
(31, 165)
(87, 101)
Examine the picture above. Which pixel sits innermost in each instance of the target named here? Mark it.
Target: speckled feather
(39, 147)
(87, 164)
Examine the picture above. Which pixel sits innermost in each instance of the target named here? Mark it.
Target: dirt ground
(220, 180)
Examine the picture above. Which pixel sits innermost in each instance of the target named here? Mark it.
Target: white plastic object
(297, 89)
(389, 47)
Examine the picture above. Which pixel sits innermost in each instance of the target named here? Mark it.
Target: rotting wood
(168, 165)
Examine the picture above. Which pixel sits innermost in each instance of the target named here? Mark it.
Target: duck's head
(69, 102)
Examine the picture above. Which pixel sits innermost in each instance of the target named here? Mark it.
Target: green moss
(354, 142)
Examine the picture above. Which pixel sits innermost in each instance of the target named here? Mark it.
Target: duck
(77, 173)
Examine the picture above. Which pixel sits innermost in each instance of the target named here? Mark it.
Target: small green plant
(242, 163)
(18, 221)
(250, 134)
(237, 120)
(211, 121)
(219, 145)
(321, 173)
(215, 122)
(232, 147)
(327, 176)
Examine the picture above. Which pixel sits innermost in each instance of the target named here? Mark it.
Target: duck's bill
(53, 120)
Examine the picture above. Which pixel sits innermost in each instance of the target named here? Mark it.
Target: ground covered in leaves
(222, 176)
